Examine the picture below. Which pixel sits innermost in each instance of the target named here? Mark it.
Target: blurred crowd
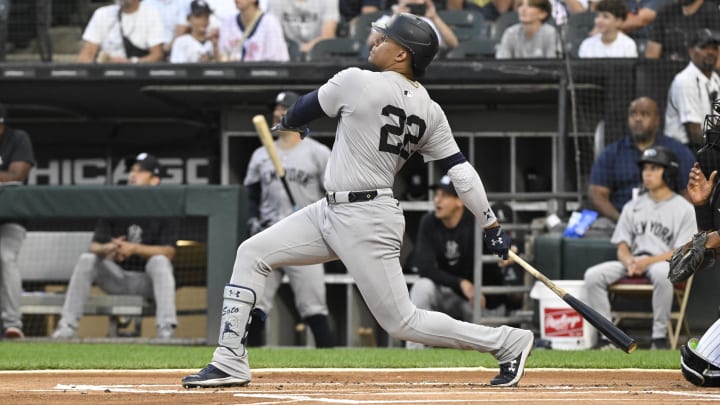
(188, 31)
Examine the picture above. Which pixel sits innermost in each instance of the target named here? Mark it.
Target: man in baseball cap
(145, 162)
(704, 37)
(200, 7)
(446, 185)
(283, 101)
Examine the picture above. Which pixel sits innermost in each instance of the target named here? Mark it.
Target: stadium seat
(579, 27)
(334, 49)
(503, 22)
(363, 24)
(466, 24)
(475, 49)
(643, 288)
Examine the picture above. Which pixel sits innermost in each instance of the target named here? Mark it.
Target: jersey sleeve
(624, 229)
(253, 171)
(440, 141)
(341, 91)
(156, 31)
(601, 171)
(23, 150)
(168, 232)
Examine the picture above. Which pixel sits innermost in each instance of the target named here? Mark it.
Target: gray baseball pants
(367, 237)
(599, 277)
(11, 239)
(157, 281)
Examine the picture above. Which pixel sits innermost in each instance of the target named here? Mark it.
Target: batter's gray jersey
(374, 137)
(304, 166)
(653, 228)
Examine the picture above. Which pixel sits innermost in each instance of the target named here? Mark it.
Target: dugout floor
(426, 386)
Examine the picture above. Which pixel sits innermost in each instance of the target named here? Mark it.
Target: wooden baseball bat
(604, 326)
(263, 131)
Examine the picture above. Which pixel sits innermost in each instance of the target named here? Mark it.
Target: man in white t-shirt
(609, 41)
(693, 90)
(128, 31)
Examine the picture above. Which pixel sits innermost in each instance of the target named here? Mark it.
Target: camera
(417, 9)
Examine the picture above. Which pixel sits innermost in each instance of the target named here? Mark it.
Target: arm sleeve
(102, 231)
(306, 108)
(623, 230)
(688, 228)
(23, 151)
(471, 191)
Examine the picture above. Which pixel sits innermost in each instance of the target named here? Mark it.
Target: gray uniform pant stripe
(599, 277)
(157, 281)
(11, 238)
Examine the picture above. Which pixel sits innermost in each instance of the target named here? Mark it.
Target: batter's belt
(342, 197)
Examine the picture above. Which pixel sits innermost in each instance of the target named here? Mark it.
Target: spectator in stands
(350, 10)
(490, 9)
(637, 22)
(615, 174)
(43, 19)
(675, 22)
(16, 160)
(305, 161)
(306, 22)
(129, 31)
(199, 45)
(174, 15)
(609, 41)
(694, 90)
(532, 37)
(444, 257)
(252, 36)
(127, 256)
(650, 227)
(427, 11)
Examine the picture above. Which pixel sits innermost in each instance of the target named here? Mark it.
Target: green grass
(38, 356)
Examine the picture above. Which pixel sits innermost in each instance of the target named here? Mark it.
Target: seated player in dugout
(650, 227)
(127, 256)
(444, 257)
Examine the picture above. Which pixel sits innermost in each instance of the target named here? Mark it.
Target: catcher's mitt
(691, 257)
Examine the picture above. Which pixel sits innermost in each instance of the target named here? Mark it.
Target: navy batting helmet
(416, 35)
(666, 158)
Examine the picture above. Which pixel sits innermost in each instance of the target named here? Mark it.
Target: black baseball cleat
(512, 371)
(212, 376)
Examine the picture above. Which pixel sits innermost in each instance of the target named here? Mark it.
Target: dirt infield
(318, 386)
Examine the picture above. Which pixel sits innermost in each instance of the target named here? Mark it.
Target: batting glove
(282, 126)
(497, 241)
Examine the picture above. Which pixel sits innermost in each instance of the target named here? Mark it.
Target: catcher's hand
(691, 257)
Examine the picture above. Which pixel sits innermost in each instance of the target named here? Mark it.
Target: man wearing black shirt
(444, 258)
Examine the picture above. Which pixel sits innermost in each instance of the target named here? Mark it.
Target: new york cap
(148, 163)
(446, 185)
(200, 7)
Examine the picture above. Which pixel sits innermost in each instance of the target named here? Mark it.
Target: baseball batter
(304, 163)
(383, 118)
(649, 229)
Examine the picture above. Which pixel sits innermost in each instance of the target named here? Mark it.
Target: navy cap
(446, 185)
(704, 36)
(200, 7)
(148, 163)
(286, 98)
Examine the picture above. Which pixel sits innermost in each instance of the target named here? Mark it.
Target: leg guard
(238, 303)
(697, 369)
